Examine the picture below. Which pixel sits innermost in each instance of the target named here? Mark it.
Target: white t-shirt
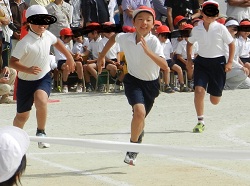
(140, 65)
(34, 50)
(58, 54)
(244, 47)
(79, 47)
(167, 49)
(182, 49)
(93, 47)
(112, 53)
(211, 42)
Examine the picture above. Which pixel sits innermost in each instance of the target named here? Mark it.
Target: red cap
(66, 32)
(179, 18)
(128, 29)
(108, 23)
(158, 23)
(245, 23)
(144, 9)
(162, 29)
(187, 26)
(221, 20)
(210, 2)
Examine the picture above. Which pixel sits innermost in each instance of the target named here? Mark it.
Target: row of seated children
(82, 48)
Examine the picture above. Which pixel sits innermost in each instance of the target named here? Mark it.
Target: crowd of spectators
(77, 14)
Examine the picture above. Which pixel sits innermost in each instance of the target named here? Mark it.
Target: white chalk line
(229, 135)
(81, 172)
(67, 153)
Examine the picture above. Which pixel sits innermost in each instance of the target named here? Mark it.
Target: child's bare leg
(178, 69)
(41, 100)
(86, 74)
(137, 124)
(199, 94)
(214, 99)
(112, 69)
(166, 74)
(92, 69)
(247, 65)
(79, 69)
(20, 119)
(65, 69)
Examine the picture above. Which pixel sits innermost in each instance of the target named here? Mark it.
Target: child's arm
(70, 61)
(161, 62)
(228, 66)
(15, 63)
(102, 54)
(189, 52)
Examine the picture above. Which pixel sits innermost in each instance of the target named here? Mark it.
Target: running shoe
(199, 128)
(42, 145)
(130, 158)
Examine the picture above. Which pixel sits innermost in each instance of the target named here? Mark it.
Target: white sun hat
(38, 15)
(14, 143)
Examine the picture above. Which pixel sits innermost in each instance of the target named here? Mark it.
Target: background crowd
(75, 14)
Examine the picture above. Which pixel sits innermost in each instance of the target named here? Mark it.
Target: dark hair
(15, 179)
(165, 35)
(230, 18)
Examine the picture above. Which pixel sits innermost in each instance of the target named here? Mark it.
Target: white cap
(14, 143)
(35, 9)
(232, 23)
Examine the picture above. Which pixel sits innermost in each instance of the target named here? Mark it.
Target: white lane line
(229, 135)
(66, 153)
(223, 170)
(77, 171)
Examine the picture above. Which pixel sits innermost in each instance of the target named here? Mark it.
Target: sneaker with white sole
(42, 145)
(79, 88)
(65, 89)
(117, 88)
(130, 158)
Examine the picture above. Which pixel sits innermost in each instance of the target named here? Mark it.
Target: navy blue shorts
(26, 90)
(210, 74)
(60, 63)
(170, 63)
(139, 91)
(245, 60)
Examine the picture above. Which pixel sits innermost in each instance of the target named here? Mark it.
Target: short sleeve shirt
(34, 50)
(112, 53)
(93, 47)
(167, 49)
(211, 42)
(140, 65)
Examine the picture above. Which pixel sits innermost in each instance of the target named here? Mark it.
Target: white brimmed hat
(14, 143)
(232, 23)
(38, 15)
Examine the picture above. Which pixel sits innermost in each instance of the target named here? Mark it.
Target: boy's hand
(34, 70)
(100, 64)
(228, 67)
(71, 64)
(4, 80)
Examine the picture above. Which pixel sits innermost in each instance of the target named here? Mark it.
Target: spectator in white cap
(238, 76)
(31, 59)
(14, 143)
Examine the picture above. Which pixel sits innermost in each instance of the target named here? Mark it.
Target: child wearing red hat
(211, 37)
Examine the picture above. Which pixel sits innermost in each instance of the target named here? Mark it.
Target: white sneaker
(79, 88)
(130, 158)
(117, 88)
(65, 89)
(42, 145)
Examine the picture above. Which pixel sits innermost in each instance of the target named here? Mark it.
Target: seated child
(244, 44)
(66, 36)
(163, 32)
(112, 63)
(181, 55)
